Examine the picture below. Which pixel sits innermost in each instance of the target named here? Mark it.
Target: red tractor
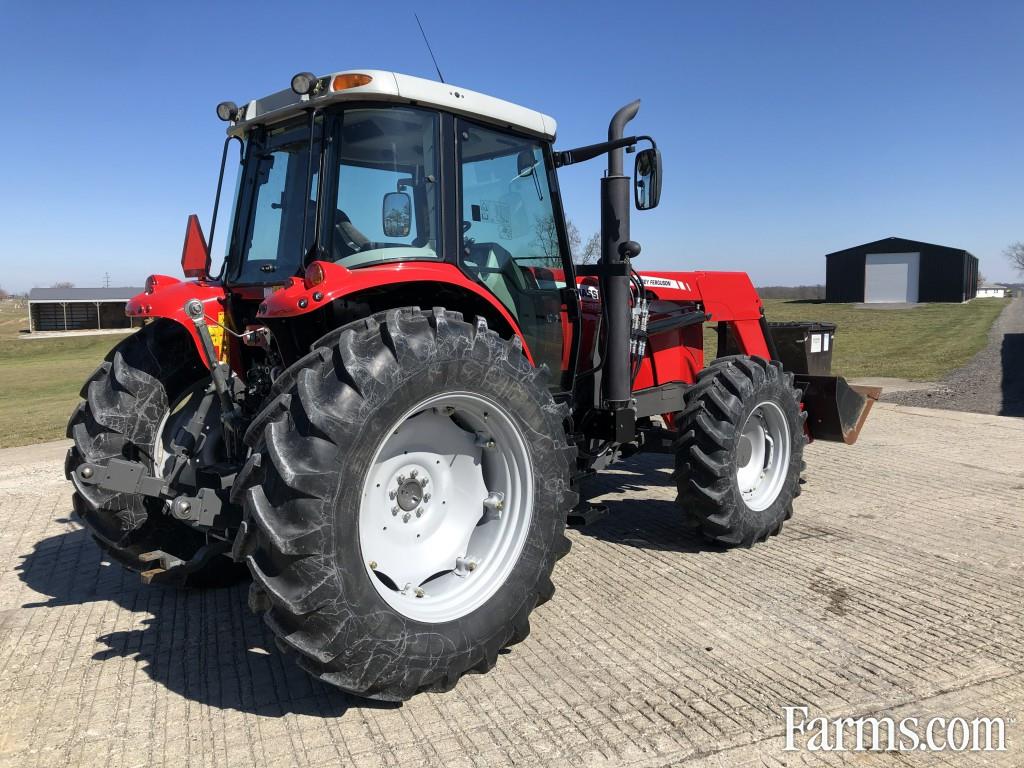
(385, 402)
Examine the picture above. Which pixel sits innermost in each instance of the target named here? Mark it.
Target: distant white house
(991, 291)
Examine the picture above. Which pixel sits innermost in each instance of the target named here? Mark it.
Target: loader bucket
(836, 410)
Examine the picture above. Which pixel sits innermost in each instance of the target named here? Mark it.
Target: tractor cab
(378, 171)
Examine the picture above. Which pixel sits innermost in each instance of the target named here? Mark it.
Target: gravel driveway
(992, 382)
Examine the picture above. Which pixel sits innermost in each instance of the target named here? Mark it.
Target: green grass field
(40, 378)
(922, 344)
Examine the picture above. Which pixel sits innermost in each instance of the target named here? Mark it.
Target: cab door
(513, 239)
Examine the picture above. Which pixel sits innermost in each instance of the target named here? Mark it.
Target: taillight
(314, 275)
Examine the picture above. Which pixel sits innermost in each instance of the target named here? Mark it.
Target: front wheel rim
(764, 451)
(446, 507)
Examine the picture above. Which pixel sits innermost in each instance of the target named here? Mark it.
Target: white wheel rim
(446, 507)
(763, 456)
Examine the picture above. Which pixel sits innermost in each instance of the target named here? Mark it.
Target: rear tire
(125, 401)
(739, 492)
(317, 446)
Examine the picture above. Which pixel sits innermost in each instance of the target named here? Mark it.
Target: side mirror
(647, 179)
(397, 214)
(195, 254)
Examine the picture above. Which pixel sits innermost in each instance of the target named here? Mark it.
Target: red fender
(165, 296)
(326, 281)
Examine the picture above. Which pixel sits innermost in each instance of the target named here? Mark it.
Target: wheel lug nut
(419, 592)
(401, 479)
(414, 474)
(419, 513)
(405, 517)
(392, 494)
(394, 510)
(424, 481)
(426, 498)
(373, 565)
(470, 566)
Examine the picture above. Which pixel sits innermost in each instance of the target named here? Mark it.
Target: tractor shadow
(1012, 354)
(649, 520)
(204, 645)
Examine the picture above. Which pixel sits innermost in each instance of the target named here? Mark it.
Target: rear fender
(300, 296)
(165, 297)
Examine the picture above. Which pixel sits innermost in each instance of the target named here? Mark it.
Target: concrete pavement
(898, 588)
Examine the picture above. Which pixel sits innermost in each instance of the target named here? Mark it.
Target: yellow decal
(217, 337)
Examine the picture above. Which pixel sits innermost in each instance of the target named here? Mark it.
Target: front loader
(384, 403)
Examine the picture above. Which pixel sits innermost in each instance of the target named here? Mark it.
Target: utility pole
(106, 279)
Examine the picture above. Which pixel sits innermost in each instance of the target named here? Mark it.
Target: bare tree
(590, 253)
(546, 240)
(1015, 253)
(63, 284)
(4, 294)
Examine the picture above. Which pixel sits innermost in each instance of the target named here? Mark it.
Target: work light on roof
(227, 110)
(303, 83)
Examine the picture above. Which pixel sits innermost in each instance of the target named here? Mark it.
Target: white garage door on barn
(891, 277)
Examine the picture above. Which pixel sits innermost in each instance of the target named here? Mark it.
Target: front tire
(332, 546)
(739, 454)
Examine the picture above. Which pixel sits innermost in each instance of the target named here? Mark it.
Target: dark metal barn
(79, 309)
(896, 270)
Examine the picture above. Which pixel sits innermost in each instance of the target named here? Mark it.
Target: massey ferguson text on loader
(384, 404)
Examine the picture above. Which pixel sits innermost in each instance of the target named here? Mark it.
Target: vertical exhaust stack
(615, 201)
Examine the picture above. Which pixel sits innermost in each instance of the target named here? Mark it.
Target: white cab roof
(395, 87)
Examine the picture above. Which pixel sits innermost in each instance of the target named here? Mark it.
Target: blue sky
(788, 129)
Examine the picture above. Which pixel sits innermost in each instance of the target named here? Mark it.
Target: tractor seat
(494, 266)
(347, 239)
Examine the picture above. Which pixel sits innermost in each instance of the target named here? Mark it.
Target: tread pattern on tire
(288, 533)
(708, 429)
(123, 402)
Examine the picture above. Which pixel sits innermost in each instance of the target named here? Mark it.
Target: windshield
(380, 193)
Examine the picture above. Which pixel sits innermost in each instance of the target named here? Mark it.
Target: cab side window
(383, 191)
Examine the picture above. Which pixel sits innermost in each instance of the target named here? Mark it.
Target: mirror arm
(220, 183)
(589, 152)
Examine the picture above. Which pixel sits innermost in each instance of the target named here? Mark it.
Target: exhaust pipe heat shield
(836, 410)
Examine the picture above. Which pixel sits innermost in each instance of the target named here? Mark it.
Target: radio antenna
(429, 49)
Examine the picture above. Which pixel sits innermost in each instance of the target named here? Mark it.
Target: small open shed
(79, 309)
